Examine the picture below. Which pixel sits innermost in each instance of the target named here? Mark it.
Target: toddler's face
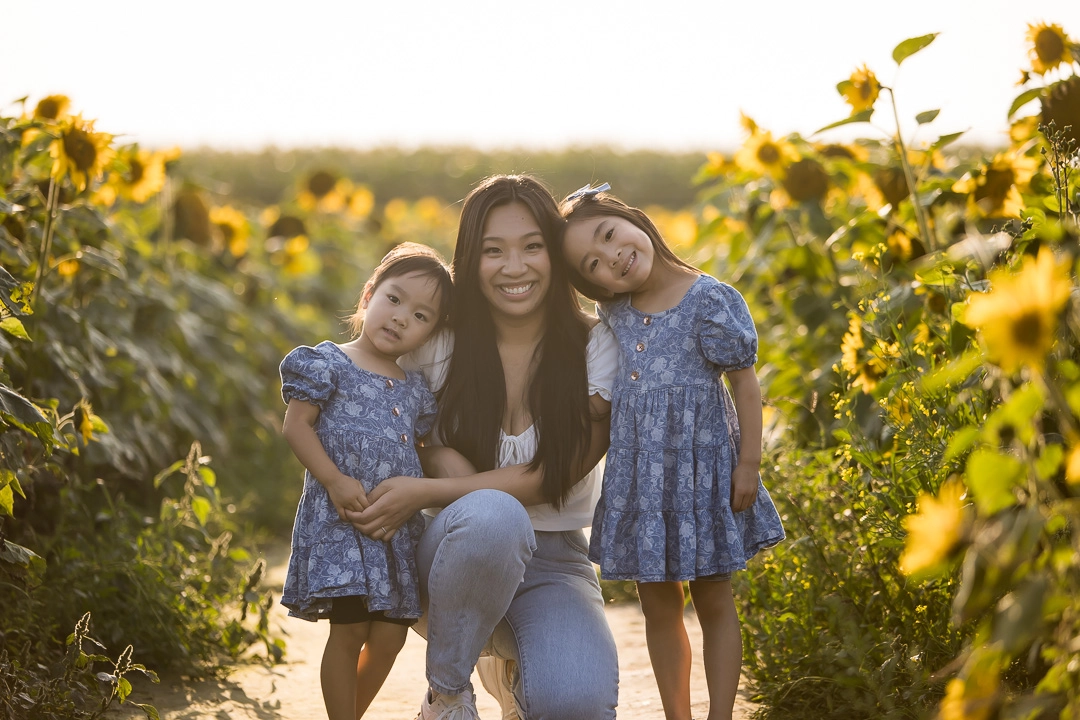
(609, 251)
(400, 314)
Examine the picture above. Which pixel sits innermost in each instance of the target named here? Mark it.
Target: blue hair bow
(587, 191)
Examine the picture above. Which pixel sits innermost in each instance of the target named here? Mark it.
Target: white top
(602, 358)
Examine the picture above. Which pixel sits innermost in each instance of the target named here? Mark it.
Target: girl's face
(400, 313)
(515, 268)
(609, 251)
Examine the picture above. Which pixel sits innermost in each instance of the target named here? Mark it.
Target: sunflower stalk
(909, 175)
(46, 239)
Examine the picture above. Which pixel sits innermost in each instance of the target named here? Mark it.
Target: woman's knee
(492, 516)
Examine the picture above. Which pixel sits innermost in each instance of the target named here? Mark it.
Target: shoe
(497, 675)
(448, 707)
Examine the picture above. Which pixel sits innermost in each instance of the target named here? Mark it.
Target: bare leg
(338, 672)
(722, 642)
(669, 648)
(384, 642)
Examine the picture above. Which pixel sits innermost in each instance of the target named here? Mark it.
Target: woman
(523, 380)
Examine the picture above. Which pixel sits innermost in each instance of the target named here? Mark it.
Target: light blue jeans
(490, 584)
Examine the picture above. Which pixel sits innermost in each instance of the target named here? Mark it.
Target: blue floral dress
(368, 424)
(665, 507)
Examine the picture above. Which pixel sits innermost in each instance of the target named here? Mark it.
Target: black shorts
(352, 609)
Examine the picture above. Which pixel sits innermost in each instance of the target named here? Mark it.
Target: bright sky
(665, 74)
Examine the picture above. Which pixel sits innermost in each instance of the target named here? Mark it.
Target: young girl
(681, 498)
(353, 419)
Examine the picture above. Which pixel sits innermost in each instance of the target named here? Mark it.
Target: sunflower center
(1027, 329)
(866, 90)
(1049, 46)
(768, 154)
(80, 148)
(135, 172)
(996, 187)
(227, 231)
(47, 109)
(321, 183)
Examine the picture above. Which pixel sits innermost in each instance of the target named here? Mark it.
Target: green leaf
(7, 501)
(160, 477)
(14, 327)
(208, 476)
(946, 140)
(201, 507)
(961, 442)
(926, 117)
(30, 561)
(1023, 99)
(992, 477)
(858, 117)
(103, 261)
(150, 710)
(1016, 414)
(1048, 462)
(18, 407)
(953, 372)
(123, 689)
(911, 46)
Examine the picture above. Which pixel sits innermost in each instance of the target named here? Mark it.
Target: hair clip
(587, 191)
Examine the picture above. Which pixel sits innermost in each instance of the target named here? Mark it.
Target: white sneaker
(448, 707)
(497, 675)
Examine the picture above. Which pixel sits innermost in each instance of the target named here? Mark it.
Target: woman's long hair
(602, 204)
(473, 400)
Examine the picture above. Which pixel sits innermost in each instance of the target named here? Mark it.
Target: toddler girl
(681, 498)
(353, 419)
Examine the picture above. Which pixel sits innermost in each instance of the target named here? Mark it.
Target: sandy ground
(290, 691)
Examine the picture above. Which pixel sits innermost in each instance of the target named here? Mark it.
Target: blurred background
(188, 192)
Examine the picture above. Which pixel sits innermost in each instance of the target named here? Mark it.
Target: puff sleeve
(426, 411)
(726, 333)
(602, 360)
(306, 375)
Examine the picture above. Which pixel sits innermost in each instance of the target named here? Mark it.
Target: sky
(657, 74)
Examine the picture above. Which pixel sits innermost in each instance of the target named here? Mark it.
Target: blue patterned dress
(368, 424)
(665, 508)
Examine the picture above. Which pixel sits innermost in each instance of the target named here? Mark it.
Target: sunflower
(324, 191)
(144, 177)
(994, 190)
(361, 203)
(1017, 320)
(861, 90)
(974, 695)
(191, 218)
(935, 530)
(1072, 466)
(233, 227)
(1049, 47)
(764, 155)
(1061, 106)
(806, 180)
(52, 107)
(80, 152)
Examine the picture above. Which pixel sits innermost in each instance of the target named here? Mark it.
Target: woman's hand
(389, 506)
(744, 486)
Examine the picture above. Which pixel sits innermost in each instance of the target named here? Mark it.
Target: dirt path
(290, 691)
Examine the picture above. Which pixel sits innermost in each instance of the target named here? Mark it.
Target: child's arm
(299, 430)
(746, 392)
(395, 499)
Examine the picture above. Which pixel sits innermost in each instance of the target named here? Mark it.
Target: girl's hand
(390, 505)
(744, 486)
(348, 495)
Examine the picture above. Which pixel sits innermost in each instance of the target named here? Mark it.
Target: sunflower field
(919, 317)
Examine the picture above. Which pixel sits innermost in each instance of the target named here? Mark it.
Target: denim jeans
(490, 584)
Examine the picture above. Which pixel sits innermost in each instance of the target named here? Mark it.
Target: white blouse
(602, 358)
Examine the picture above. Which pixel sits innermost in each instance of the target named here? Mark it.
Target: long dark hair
(473, 400)
(602, 204)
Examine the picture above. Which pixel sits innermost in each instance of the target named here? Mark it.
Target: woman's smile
(515, 268)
